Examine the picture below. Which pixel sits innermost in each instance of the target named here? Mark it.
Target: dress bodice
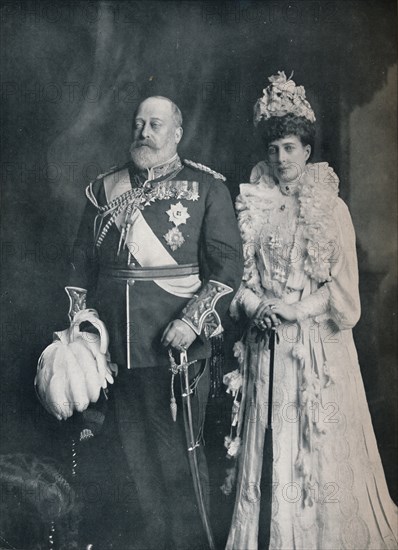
(276, 252)
(280, 247)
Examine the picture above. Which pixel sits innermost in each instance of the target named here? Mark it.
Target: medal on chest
(178, 215)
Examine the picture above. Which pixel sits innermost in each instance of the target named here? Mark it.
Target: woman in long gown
(301, 284)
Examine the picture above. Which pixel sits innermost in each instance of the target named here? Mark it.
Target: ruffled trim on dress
(317, 196)
(309, 395)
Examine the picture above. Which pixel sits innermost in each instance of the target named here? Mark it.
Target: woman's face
(288, 157)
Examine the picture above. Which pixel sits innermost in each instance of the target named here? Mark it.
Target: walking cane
(271, 345)
(266, 471)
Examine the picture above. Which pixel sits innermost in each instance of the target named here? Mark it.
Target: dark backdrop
(72, 75)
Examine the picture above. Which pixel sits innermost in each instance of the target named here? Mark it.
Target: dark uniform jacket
(209, 239)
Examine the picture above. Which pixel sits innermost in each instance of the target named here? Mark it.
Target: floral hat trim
(281, 97)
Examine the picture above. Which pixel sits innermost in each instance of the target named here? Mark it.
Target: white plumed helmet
(72, 370)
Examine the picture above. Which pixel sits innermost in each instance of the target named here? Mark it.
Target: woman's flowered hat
(281, 97)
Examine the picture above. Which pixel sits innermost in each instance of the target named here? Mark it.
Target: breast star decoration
(178, 214)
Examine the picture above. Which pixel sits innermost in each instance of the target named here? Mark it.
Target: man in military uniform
(166, 264)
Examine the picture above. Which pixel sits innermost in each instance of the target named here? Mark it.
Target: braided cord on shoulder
(205, 169)
(114, 208)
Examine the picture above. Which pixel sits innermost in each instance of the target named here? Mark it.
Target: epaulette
(110, 171)
(89, 189)
(204, 168)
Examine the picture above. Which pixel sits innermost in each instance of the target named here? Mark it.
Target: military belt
(135, 273)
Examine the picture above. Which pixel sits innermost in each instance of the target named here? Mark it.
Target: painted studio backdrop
(72, 75)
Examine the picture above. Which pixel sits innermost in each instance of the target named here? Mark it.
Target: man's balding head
(157, 131)
(175, 111)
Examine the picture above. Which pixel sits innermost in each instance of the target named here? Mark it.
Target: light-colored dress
(328, 487)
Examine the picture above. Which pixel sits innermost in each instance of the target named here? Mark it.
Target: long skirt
(328, 485)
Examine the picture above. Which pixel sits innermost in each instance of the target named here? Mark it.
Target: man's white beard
(146, 157)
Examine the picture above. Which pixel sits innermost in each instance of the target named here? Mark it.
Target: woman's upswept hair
(288, 125)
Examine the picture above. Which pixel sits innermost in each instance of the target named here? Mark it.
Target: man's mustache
(142, 143)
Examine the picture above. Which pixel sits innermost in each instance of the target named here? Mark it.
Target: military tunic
(209, 238)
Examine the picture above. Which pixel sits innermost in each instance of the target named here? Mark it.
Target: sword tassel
(173, 402)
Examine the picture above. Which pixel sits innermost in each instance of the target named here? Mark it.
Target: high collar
(160, 170)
